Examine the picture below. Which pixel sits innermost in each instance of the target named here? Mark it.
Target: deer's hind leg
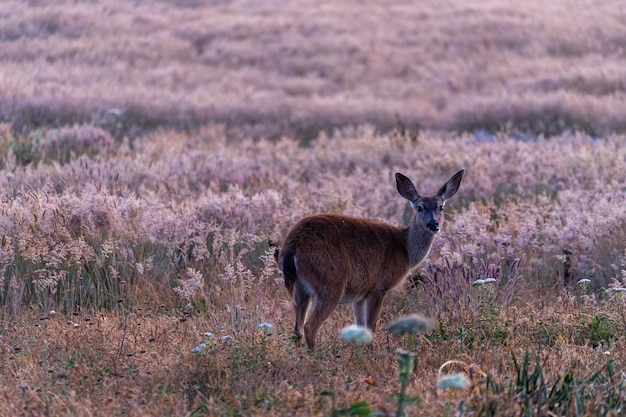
(301, 302)
(325, 291)
(320, 312)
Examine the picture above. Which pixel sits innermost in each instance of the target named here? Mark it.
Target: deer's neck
(418, 244)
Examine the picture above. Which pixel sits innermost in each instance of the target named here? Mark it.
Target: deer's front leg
(360, 312)
(374, 303)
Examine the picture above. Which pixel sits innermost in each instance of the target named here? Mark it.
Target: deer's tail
(286, 262)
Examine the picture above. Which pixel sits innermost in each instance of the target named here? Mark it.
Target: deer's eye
(440, 208)
(419, 209)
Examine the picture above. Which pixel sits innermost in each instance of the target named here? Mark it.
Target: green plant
(25, 148)
(405, 368)
(410, 325)
(358, 408)
(601, 329)
(601, 392)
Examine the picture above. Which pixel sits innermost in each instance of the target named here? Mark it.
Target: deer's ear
(452, 186)
(406, 188)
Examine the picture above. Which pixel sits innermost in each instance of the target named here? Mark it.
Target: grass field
(152, 154)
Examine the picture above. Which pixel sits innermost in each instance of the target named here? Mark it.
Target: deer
(332, 259)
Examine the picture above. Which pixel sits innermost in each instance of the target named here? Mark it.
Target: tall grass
(119, 216)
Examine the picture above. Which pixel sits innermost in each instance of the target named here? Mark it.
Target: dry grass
(270, 68)
(140, 363)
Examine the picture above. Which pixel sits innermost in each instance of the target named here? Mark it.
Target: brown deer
(333, 259)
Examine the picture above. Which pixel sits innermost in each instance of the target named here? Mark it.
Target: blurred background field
(273, 67)
(152, 155)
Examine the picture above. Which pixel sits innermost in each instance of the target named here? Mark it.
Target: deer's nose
(433, 225)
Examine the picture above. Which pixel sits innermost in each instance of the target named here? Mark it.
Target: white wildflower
(457, 380)
(198, 348)
(357, 334)
(411, 323)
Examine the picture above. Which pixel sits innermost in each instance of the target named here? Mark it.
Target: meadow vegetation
(153, 154)
(141, 250)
